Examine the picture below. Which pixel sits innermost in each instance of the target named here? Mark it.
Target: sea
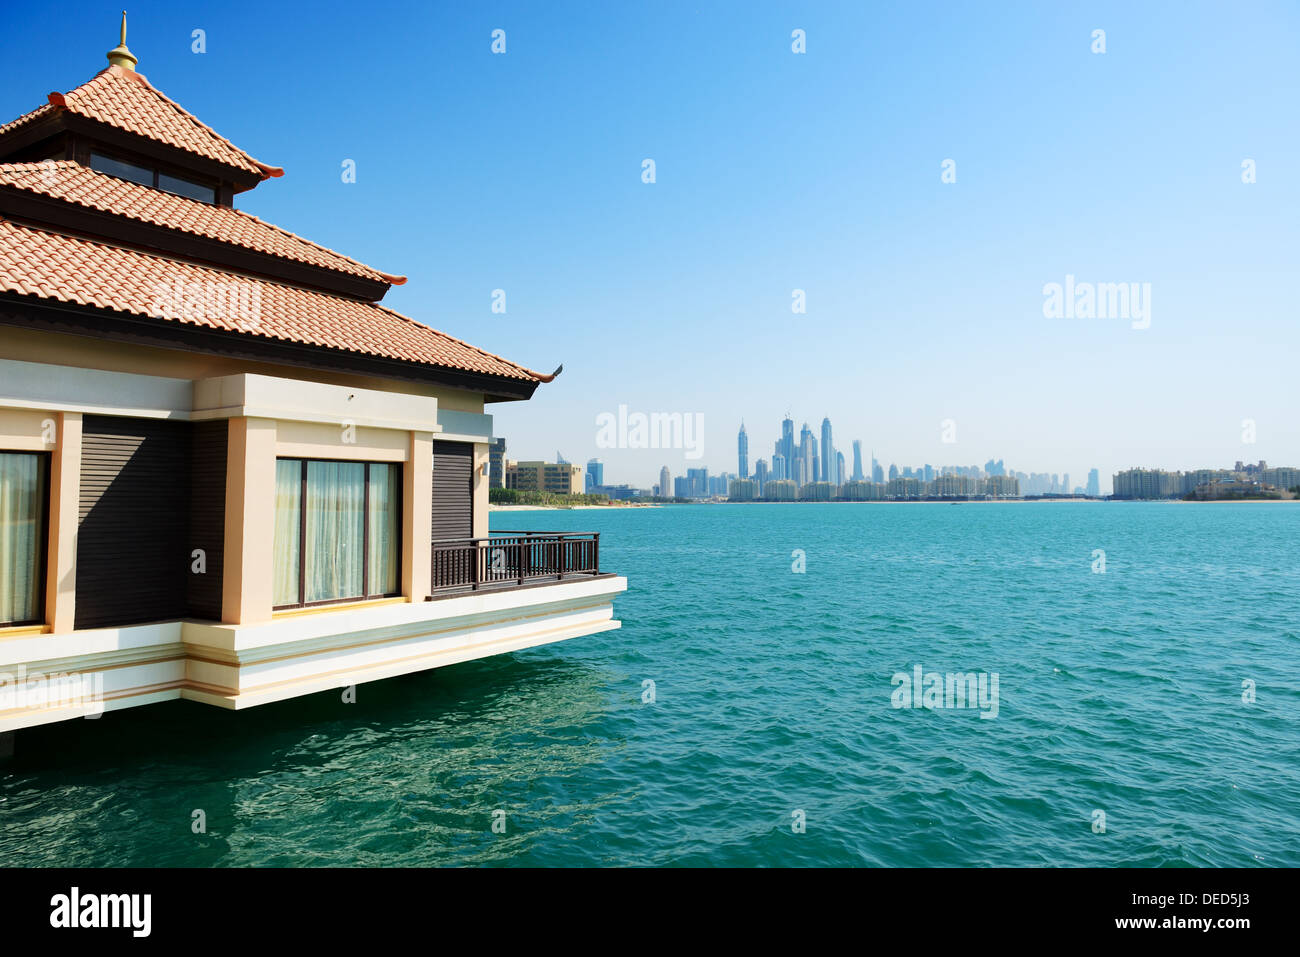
(920, 685)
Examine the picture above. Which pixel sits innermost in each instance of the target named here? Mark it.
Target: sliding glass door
(337, 531)
(22, 537)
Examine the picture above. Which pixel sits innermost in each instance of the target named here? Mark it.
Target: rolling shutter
(453, 490)
(132, 554)
(207, 511)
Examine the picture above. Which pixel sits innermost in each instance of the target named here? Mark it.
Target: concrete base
(46, 678)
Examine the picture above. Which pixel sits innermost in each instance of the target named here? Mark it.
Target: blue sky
(778, 171)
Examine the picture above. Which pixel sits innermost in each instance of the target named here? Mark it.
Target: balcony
(507, 560)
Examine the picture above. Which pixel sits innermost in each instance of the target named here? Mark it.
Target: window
(337, 531)
(22, 537)
(186, 188)
(121, 169)
(147, 176)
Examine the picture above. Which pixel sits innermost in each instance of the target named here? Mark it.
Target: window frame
(43, 578)
(365, 534)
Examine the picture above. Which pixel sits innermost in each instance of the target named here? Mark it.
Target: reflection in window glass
(184, 187)
(121, 169)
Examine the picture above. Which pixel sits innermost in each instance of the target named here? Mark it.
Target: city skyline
(775, 173)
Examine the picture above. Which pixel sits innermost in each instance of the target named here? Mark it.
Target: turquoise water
(1119, 692)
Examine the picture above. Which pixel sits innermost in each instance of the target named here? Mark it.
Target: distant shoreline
(991, 501)
(564, 508)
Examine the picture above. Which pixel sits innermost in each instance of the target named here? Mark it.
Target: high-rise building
(787, 448)
(760, 474)
(877, 473)
(779, 471)
(742, 448)
(697, 483)
(804, 474)
(497, 463)
(857, 460)
(1094, 483)
(839, 468)
(893, 471)
(828, 452)
(595, 474)
(665, 483)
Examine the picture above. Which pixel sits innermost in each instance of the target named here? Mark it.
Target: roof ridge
(143, 80)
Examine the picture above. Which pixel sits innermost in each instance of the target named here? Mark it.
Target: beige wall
(417, 516)
(480, 489)
(312, 440)
(247, 578)
(38, 346)
(65, 500)
(254, 444)
(58, 433)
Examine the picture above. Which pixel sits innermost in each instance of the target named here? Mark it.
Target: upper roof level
(120, 123)
(112, 192)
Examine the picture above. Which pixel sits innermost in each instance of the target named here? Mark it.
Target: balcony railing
(513, 560)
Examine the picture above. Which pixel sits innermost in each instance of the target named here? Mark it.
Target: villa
(228, 474)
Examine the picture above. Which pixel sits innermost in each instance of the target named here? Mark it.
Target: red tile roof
(52, 266)
(126, 100)
(73, 183)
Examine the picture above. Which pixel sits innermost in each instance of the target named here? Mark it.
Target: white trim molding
(45, 678)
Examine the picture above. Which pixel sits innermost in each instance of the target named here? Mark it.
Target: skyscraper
(497, 463)
(1094, 483)
(807, 452)
(877, 473)
(742, 448)
(595, 473)
(839, 468)
(779, 467)
(760, 475)
(787, 442)
(828, 452)
(857, 460)
(665, 483)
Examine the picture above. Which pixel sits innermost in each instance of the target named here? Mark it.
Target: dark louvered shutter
(132, 549)
(453, 490)
(207, 516)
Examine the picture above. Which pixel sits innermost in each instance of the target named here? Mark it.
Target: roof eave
(105, 324)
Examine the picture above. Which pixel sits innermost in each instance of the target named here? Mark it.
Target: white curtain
(385, 535)
(288, 520)
(22, 533)
(335, 529)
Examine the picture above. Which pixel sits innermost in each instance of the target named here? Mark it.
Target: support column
(481, 489)
(248, 575)
(61, 547)
(417, 517)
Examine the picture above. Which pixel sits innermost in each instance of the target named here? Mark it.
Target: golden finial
(121, 56)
